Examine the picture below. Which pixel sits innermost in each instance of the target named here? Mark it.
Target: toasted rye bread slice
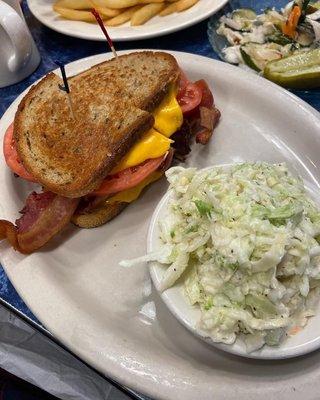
(142, 79)
(70, 156)
(112, 103)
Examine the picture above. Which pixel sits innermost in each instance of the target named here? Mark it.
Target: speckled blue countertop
(53, 46)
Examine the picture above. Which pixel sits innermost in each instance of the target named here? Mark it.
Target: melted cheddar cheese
(168, 116)
(151, 145)
(155, 143)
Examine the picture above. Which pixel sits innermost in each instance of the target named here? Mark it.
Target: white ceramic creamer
(19, 56)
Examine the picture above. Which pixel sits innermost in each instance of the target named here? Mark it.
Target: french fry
(121, 3)
(151, 1)
(74, 15)
(145, 13)
(117, 12)
(108, 12)
(169, 9)
(123, 17)
(184, 4)
(99, 5)
(73, 4)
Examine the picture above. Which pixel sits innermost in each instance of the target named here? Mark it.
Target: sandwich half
(93, 162)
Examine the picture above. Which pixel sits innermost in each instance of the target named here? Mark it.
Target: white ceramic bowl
(302, 343)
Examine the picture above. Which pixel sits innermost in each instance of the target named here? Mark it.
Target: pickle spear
(299, 71)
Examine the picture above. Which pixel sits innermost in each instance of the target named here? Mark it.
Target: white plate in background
(79, 292)
(157, 26)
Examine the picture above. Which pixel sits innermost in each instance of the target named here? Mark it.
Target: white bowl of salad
(235, 254)
(280, 43)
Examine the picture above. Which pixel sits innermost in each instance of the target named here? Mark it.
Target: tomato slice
(12, 158)
(128, 178)
(183, 81)
(207, 97)
(189, 98)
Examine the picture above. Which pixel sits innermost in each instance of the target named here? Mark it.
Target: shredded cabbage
(244, 239)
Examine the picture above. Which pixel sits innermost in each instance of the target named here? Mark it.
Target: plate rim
(297, 351)
(126, 379)
(238, 71)
(120, 38)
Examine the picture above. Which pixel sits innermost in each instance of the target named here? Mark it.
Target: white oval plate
(157, 26)
(302, 343)
(79, 292)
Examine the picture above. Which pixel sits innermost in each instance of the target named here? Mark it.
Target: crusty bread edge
(17, 118)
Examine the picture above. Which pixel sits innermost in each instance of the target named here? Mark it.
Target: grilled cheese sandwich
(90, 165)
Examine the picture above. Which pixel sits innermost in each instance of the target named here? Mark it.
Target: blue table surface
(53, 46)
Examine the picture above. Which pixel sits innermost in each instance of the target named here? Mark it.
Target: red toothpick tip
(103, 28)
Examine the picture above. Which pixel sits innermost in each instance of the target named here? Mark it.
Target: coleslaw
(245, 241)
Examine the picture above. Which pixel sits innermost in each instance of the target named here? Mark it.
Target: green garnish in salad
(257, 40)
(204, 208)
(253, 269)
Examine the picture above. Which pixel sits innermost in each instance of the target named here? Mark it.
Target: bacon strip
(8, 231)
(167, 161)
(44, 215)
(209, 118)
(182, 138)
